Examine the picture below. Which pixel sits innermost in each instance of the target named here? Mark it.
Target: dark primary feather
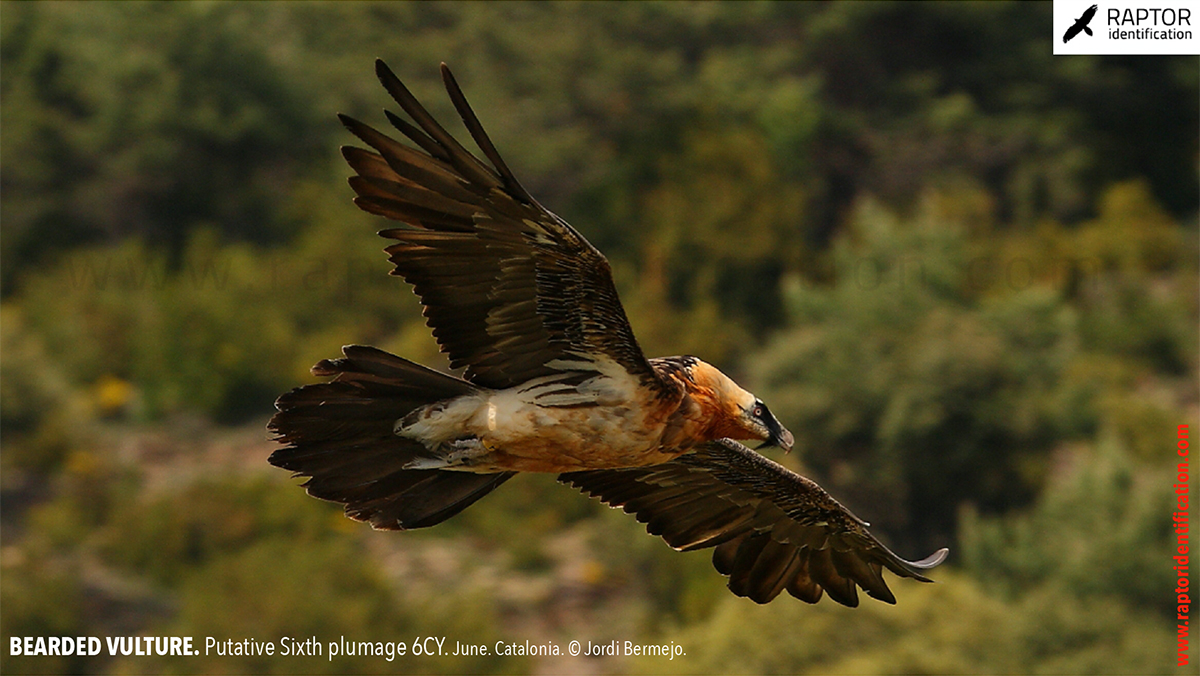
(339, 434)
(508, 287)
(772, 528)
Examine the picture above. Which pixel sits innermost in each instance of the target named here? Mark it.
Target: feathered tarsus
(554, 381)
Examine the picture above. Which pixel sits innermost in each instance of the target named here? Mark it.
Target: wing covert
(771, 528)
(508, 287)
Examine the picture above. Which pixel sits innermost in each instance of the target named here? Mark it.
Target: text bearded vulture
(554, 381)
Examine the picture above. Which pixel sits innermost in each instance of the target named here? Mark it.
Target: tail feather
(433, 498)
(339, 434)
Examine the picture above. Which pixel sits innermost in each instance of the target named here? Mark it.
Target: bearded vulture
(553, 381)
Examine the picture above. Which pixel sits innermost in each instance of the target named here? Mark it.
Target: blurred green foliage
(951, 627)
(959, 406)
(962, 270)
(1100, 504)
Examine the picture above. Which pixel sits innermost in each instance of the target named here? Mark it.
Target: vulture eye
(758, 411)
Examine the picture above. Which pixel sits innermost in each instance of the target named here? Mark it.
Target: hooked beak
(778, 435)
(782, 438)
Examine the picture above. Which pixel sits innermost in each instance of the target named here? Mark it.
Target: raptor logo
(1081, 24)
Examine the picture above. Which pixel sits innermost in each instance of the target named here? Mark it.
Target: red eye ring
(758, 411)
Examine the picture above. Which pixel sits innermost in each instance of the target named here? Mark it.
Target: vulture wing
(511, 291)
(772, 528)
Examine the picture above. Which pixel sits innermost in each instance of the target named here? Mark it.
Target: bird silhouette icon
(1081, 24)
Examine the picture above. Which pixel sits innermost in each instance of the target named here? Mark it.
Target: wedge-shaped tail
(339, 434)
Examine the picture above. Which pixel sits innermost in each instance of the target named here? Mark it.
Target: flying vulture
(554, 381)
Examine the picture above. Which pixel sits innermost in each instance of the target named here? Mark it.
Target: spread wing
(511, 291)
(772, 528)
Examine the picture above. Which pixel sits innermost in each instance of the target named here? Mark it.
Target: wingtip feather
(933, 560)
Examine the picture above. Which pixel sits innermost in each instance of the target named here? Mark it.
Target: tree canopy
(961, 269)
